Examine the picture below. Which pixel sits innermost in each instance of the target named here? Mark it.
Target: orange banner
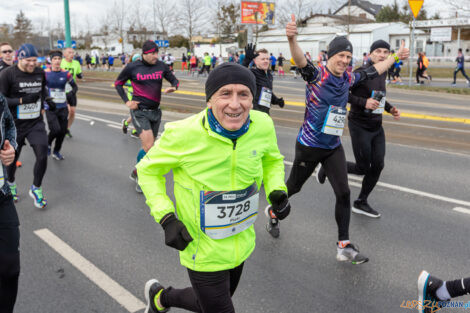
(257, 12)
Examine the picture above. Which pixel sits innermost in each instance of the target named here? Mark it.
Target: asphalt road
(95, 211)
(431, 129)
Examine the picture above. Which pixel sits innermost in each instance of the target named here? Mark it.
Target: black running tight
(40, 151)
(211, 292)
(334, 163)
(369, 152)
(458, 287)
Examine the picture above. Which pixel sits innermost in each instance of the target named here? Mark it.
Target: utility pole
(154, 22)
(68, 38)
(412, 48)
(349, 15)
(48, 21)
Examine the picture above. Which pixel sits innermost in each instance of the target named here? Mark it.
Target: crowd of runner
(220, 157)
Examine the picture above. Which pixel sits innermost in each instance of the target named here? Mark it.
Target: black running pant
(37, 138)
(419, 73)
(205, 68)
(369, 152)
(211, 292)
(57, 121)
(458, 287)
(463, 73)
(9, 254)
(334, 163)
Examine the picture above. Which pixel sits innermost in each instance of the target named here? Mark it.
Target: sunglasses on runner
(7, 51)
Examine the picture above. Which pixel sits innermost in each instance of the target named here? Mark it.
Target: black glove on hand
(51, 104)
(280, 102)
(250, 52)
(280, 203)
(176, 234)
(30, 98)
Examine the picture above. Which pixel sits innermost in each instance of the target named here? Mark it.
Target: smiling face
(339, 62)
(28, 64)
(231, 105)
(262, 61)
(379, 55)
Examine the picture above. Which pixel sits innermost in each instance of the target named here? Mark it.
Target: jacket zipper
(232, 173)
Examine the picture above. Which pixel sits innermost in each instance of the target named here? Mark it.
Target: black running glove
(176, 234)
(52, 105)
(250, 53)
(280, 203)
(30, 98)
(280, 102)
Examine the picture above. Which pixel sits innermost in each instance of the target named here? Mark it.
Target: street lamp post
(48, 22)
(68, 38)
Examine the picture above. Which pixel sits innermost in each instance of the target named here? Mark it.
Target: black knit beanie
(339, 44)
(229, 73)
(379, 44)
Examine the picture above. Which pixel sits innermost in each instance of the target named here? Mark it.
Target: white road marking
(461, 210)
(429, 127)
(89, 118)
(385, 185)
(402, 189)
(111, 287)
(114, 126)
(78, 117)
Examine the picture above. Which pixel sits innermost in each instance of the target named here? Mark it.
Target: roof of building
(363, 4)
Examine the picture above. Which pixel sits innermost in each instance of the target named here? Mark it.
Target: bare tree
(140, 17)
(192, 18)
(461, 8)
(117, 17)
(301, 9)
(165, 14)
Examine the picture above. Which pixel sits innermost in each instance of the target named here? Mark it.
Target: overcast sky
(91, 12)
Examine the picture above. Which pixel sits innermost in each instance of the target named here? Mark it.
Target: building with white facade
(359, 8)
(316, 37)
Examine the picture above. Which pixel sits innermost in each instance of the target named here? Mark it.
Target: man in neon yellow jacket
(219, 158)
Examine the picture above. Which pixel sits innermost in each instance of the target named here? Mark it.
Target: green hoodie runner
(202, 160)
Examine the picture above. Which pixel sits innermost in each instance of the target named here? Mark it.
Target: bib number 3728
(227, 213)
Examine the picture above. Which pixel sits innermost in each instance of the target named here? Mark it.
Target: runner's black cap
(229, 73)
(339, 44)
(149, 47)
(55, 53)
(379, 44)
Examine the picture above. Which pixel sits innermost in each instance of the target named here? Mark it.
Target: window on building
(362, 15)
(397, 44)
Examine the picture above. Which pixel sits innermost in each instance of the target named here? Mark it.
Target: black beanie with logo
(339, 44)
(229, 73)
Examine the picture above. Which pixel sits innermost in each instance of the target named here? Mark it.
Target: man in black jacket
(368, 103)
(264, 79)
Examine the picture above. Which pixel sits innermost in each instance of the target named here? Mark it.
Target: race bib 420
(334, 121)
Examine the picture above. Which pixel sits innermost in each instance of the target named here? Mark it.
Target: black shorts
(147, 120)
(72, 99)
(36, 134)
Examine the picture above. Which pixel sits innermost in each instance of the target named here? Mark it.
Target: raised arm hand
(295, 50)
(402, 54)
